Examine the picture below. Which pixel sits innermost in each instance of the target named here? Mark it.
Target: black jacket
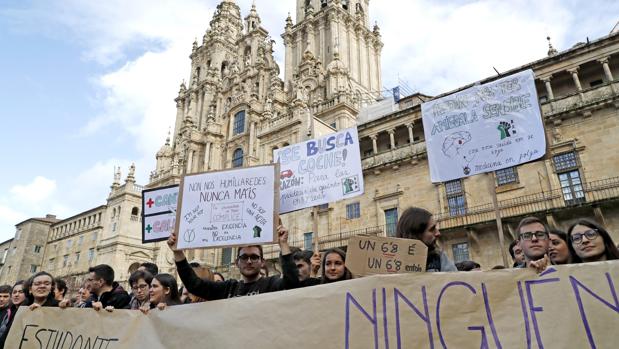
(117, 298)
(212, 290)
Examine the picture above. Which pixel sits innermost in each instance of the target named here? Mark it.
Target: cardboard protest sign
(320, 171)
(158, 213)
(568, 306)
(368, 255)
(484, 128)
(228, 208)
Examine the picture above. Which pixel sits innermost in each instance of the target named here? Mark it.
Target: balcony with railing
(582, 99)
(279, 122)
(394, 155)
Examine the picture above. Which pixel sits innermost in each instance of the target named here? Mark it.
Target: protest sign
(568, 306)
(228, 208)
(320, 171)
(484, 128)
(368, 255)
(158, 213)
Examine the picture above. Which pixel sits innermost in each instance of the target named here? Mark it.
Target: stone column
(207, 156)
(546, 81)
(374, 145)
(410, 133)
(231, 126)
(607, 72)
(392, 138)
(574, 72)
(190, 161)
(252, 137)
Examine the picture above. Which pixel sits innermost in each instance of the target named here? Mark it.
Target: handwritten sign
(228, 208)
(484, 128)
(158, 213)
(495, 309)
(320, 171)
(378, 255)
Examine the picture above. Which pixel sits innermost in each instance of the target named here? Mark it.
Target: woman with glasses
(40, 292)
(140, 281)
(163, 293)
(590, 242)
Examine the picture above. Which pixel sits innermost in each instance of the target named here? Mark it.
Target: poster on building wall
(228, 208)
(484, 128)
(158, 213)
(320, 171)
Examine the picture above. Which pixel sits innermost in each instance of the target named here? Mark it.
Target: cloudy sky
(89, 85)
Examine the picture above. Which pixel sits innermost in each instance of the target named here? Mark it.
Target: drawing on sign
(453, 147)
(504, 128)
(257, 231)
(350, 185)
(189, 235)
(226, 212)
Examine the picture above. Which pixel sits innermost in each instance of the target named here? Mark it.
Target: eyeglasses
(540, 235)
(140, 287)
(590, 234)
(252, 257)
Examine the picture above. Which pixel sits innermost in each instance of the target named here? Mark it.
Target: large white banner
(320, 171)
(228, 208)
(484, 128)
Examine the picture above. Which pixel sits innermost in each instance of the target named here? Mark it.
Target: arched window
(134, 211)
(237, 158)
(345, 4)
(239, 123)
(323, 3)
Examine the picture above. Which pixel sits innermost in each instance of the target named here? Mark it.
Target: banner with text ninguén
(572, 306)
(484, 128)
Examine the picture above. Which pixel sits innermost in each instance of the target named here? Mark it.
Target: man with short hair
(533, 239)
(5, 299)
(107, 293)
(249, 261)
(303, 260)
(516, 252)
(152, 268)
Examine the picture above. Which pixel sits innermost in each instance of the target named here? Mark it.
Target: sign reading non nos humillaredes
(228, 208)
(320, 171)
(484, 128)
(158, 213)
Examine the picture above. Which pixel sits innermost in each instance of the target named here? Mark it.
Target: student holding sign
(417, 223)
(249, 261)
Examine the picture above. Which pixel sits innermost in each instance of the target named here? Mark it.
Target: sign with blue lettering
(320, 171)
(484, 128)
(228, 208)
(158, 213)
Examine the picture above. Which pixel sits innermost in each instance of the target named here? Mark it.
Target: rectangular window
(571, 187)
(455, 197)
(323, 207)
(565, 161)
(226, 256)
(94, 236)
(65, 260)
(91, 254)
(52, 263)
(506, 176)
(37, 249)
(461, 252)
(391, 221)
(353, 210)
(69, 243)
(80, 240)
(239, 123)
(33, 269)
(77, 257)
(308, 241)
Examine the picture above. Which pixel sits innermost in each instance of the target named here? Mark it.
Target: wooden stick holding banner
(499, 221)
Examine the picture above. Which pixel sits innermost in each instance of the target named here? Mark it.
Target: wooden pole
(315, 227)
(499, 221)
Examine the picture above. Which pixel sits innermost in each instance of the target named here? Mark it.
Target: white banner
(320, 171)
(158, 213)
(484, 128)
(228, 208)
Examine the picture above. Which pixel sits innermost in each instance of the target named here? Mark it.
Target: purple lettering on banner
(438, 306)
(373, 320)
(577, 284)
(484, 339)
(425, 316)
(385, 318)
(525, 314)
(533, 309)
(489, 316)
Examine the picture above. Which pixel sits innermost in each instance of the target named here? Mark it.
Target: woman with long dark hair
(590, 242)
(334, 266)
(418, 223)
(558, 249)
(40, 291)
(163, 292)
(17, 299)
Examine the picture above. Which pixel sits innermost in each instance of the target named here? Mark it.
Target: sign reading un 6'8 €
(158, 213)
(320, 171)
(484, 128)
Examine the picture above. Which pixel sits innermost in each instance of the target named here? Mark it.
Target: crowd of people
(536, 247)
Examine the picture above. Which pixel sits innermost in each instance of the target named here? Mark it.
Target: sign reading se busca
(484, 128)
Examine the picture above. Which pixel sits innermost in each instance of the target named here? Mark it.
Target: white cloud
(36, 192)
